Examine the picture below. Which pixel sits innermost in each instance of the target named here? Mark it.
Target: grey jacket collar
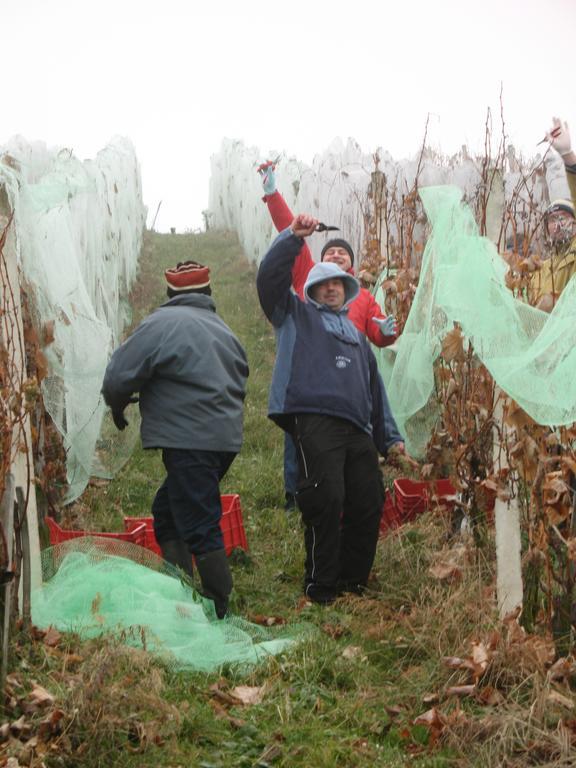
(199, 300)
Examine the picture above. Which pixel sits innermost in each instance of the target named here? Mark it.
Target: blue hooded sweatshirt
(323, 363)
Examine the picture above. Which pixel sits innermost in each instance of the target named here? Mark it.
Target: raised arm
(275, 272)
(279, 211)
(282, 217)
(559, 137)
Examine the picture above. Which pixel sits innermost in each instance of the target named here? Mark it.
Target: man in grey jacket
(190, 372)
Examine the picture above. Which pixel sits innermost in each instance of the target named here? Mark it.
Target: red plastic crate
(413, 497)
(231, 523)
(390, 516)
(149, 538)
(136, 535)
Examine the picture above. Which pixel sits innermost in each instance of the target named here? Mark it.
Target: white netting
(78, 228)
(334, 188)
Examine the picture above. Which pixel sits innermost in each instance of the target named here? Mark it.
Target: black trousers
(340, 495)
(187, 505)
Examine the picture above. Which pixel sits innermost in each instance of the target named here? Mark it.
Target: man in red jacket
(364, 311)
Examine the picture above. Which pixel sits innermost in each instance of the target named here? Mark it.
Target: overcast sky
(176, 76)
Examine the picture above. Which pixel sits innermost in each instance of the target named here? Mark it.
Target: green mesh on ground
(530, 354)
(94, 586)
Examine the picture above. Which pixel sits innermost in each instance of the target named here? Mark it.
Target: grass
(349, 694)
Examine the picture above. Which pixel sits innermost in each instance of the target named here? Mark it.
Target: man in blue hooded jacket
(327, 393)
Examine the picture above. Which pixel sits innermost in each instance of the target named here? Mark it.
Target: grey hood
(328, 271)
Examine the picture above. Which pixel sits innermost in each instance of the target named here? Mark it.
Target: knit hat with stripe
(187, 276)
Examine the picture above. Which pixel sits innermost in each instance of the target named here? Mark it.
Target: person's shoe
(290, 502)
(351, 588)
(216, 578)
(176, 553)
(321, 594)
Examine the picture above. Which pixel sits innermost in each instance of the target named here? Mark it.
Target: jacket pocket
(310, 499)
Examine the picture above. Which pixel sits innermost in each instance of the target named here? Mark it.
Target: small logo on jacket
(342, 362)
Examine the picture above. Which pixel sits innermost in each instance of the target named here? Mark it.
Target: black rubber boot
(320, 593)
(216, 579)
(351, 588)
(176, 553)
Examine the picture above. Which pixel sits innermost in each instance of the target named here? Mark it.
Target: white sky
(176, 76)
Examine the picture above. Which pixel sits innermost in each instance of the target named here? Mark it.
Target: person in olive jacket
(559, 223)
(190, 372)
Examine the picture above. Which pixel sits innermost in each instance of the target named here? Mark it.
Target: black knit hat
(560, 205)
(338, 243)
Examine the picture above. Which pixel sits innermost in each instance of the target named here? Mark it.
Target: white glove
(387, 325)
(559, 137)
(266, 171)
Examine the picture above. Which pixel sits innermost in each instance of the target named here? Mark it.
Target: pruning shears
(268, 164)
(554, 134)
(320, 227)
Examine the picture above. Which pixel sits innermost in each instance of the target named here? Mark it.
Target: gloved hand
(118, 417)
(398, 457)
(268, 178)
(559, 137)
(387, 325)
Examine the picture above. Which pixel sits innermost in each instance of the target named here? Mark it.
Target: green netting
(530, 354)
(95, 585)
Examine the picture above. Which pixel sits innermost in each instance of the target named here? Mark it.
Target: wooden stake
(7, 525)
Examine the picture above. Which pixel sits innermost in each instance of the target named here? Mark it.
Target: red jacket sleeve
(362, 311)
(282, 217)
(302, 265)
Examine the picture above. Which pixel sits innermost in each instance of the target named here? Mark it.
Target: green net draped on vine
(530, 354)
(94, 586)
